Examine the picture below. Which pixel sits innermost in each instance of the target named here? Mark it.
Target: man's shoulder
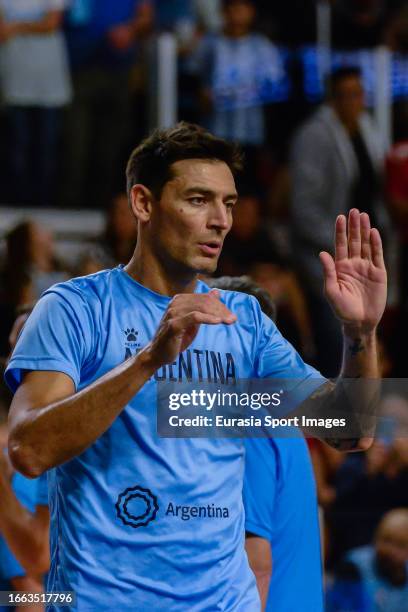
(316, 126)
(88, 288)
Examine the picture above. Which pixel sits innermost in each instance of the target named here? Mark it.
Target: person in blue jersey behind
(24, 516)
(137, 521)
(24, 519)
(282, 525)
(281, 513)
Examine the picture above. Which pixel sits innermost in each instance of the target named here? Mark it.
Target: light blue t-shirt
(137, 521)
(30, 493)
(281, 506)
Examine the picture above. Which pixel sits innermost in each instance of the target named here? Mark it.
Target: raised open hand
(355, 280)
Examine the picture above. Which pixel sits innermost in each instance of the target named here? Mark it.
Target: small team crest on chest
(132, 343)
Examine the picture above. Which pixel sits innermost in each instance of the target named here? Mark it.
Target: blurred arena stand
(73, 230)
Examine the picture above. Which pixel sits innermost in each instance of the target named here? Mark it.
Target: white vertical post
(323, 28)
(383, 93)
(163, 82)
(383, 117)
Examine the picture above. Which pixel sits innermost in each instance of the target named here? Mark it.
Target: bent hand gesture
(181, 322)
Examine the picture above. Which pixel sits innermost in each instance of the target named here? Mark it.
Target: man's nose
(219, 217)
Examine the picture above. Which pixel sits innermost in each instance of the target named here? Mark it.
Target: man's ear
(141, 201)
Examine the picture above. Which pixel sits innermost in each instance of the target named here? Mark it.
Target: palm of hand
(356, 280)
(360, 292)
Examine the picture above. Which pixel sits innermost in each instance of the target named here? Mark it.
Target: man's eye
(230, 205)
(197, 200)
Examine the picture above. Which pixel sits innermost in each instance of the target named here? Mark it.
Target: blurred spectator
(293, 316)
(379, 582)
(102, 38)
(120, 235)
(248, 242)
(337, 162)
(366, 486)
(334, 471)
(326, 462)
(246, 285)
(30, 267)
(209, 14)
(248, 249)
(117, 243)
(31, 264)
(35, 85)
(91, 260)
(236, 68)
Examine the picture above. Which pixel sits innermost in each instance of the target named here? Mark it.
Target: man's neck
(150, 273)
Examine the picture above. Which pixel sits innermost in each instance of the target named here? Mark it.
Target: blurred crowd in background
(75, 91)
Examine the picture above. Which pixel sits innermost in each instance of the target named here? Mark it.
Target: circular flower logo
(137, 507)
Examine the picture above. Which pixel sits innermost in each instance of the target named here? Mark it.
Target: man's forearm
(44, 436)
(17, 528)
(360, 364)
(360, 359)
(351, 397)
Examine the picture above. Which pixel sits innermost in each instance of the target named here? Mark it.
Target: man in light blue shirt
(138, 521)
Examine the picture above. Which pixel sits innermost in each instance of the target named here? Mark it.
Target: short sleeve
(56, 337)
(260, 486)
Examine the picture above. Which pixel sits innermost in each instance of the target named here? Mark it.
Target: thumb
(329, 269)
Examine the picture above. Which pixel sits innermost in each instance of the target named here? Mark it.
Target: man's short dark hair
(340, 74)
(246, 285)
(150, 163)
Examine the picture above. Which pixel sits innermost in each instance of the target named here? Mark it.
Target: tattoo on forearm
(357, 347)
